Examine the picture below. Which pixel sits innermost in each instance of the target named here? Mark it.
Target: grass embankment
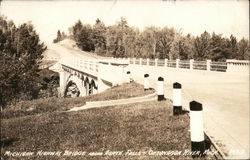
(136, 131)
(53, 104)
(147, 127)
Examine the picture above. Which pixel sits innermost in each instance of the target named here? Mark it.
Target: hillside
(66, 48)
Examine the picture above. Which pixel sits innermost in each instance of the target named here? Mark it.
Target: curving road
(67, 49)
(225, 97)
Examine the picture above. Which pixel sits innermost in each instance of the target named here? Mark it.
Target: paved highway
(225, 99)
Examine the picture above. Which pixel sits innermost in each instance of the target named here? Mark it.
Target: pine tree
(20, 55)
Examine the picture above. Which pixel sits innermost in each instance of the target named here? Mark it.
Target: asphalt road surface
(225, 99)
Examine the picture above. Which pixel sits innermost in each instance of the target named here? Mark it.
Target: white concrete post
(177, 106)
(166, 62)
(191, 64)
(177, 63)
(208, 64)
(148, 61)
(196, 128)
(229, 66)
(128, 77)
(129, 60)
(140, 61)
(146, 82)
(160, 89)
(134, 59)
(156, 61)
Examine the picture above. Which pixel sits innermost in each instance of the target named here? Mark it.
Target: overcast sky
(225, 17)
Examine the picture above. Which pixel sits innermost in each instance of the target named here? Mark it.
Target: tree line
(60, 36)
(20, 56)
(122, 40)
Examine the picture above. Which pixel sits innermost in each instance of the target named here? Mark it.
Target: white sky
(225, 17)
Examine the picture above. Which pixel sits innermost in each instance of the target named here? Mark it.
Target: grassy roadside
(53, 104)
(126, 90)
(147, 126)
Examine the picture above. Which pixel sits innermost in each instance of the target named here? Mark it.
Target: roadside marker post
(177, 106)
(128, 77)
(196, 129)
(160, 89)
(146, 83)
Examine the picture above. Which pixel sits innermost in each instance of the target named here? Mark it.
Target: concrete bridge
(222, 88)
(89, 76)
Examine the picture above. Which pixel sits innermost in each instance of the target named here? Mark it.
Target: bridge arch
(74, 86)
(71, 90)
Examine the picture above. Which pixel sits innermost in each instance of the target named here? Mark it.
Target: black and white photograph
(124, 80)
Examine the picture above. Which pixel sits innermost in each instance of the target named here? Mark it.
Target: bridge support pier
(87, 88)
(95, 91)
(63, 82)
(81, 88)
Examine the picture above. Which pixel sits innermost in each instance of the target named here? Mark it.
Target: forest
(122, 40)
(20, 55)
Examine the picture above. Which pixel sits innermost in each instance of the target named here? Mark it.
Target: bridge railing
(171, 63)
(110, 70)
(131, 61)
(52, 58)
(144, 61)
(137, 61)
(200, 65)
(81, 64)
(152, 62)
(218, 66)
(237, 66)
(184, 64)
(161, 62)
(232, 66)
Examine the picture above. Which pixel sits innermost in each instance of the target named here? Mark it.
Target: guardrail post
(160, 89)
(134, 59)
(128, 77)
(229, 65)
(196, 128)
(208, 64)
(177, 63)
(128, 60)
(166, 62)
(191, 64)
(177, 106)
(148, 61)
(140, 61)
(146, 83)
(156, 61)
